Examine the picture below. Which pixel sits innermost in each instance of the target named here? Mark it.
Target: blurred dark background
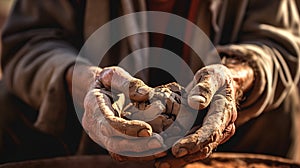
(5, 6)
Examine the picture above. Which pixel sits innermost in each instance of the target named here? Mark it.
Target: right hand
(104, 124)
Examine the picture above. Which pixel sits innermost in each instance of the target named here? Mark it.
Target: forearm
(270, 47)
(80, 78)
(38, 47)
(33, 76)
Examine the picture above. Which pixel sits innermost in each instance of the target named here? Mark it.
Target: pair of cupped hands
(214, 89)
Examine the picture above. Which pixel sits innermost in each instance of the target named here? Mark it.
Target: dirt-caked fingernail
(181, 152)
(144, 133)
(205, 150)
(197, 102)
(154, 144)
(143, 90)
(198, 99)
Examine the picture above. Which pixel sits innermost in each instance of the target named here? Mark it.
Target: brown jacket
(42, 38)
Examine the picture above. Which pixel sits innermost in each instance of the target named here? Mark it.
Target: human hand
(160, 111)
(215, 86)
(104, 124)
(212, 85)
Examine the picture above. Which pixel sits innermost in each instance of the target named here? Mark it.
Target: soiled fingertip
(205, 152)
(143, 90)
(144, 133)
(181, 152)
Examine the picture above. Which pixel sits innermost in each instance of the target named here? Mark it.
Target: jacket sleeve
(269, 40)
(39, 43)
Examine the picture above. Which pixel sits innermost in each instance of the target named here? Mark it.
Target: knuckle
(190, 143)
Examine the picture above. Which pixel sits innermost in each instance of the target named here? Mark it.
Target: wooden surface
(221, 160)
(234, 160)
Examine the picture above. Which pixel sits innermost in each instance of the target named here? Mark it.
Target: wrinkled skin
(160, 111)
(214, 87)
(150, 111)
(104, 124)
(217, 88)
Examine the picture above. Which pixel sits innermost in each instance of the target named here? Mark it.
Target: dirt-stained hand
(211, 88)
(104, 124)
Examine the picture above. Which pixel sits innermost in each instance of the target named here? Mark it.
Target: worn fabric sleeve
(269, 40)
(39, 44)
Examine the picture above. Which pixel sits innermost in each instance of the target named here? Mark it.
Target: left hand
(104, 124)
(217, 86)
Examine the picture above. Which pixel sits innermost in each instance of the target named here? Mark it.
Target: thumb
(208, 81)
(117, 79)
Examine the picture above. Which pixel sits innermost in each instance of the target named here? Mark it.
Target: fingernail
(164, 165)
(198, 98)
(205, 150)
(143, 90)
(182, 152)
(154, 144)
(144, 133)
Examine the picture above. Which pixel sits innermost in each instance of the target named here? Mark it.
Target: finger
(228, 133)
(134, 147)
(206, 82)
(173, 104)
(157, 124)
(175, 87)
(146, 112)
(222, 113)
(100, 117)
(118, 79)
(122, 158)
(172, 96)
